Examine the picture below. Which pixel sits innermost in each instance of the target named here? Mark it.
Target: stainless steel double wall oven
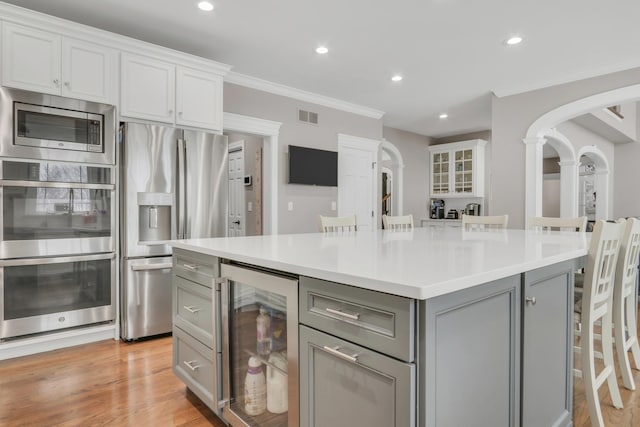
(58, 205)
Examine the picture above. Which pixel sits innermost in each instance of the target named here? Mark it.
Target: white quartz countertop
(422, 263)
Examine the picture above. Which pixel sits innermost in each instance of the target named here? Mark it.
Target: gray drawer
(193, 364)
(192, 309)
(195, 267)
(379, 321)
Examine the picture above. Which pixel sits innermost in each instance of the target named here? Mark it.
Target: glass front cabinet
(457, 169)
(260, 347)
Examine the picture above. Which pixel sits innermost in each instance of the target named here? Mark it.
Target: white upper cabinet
(198, 99)
(147, 89)
(457, 169)
(88, 71)
(49, 63)
(30, 59)
(162, 92)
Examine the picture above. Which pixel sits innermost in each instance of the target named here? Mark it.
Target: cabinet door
(463, 171)
(547, 360)
(88, 71)
(30, 59)
(198, 99)
(342, 384)
(147, 89)
(440, 173)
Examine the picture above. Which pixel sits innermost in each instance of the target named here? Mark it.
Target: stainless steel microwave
(46, 127)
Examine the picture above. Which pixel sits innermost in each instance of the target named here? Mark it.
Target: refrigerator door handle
(226, 374)
(181, 187)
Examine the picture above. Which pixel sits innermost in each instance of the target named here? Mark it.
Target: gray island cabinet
(432, 327)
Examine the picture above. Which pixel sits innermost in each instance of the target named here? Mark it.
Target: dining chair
(332, 224)
(397, 223)
(562, 224)
(624, 303)
(470, 222)
(594, 305)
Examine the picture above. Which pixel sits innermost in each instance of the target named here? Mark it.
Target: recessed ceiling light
(206, 6)
(443, 115)
(514, 40)
(396, 78)
(322, 50)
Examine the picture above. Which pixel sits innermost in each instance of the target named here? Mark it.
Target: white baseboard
(56, 340)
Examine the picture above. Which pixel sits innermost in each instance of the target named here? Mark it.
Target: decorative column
(568, 188)
(533, 177)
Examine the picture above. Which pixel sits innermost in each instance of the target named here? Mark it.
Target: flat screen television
(311, 166)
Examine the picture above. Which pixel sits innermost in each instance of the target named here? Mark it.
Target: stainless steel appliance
(51, 209)
(452, 214)
(437, 208)
(174, 186)
(47, 127)
(45, 294)
(472, 209)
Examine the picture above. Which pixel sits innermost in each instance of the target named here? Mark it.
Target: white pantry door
(236, 189)
(357, 179)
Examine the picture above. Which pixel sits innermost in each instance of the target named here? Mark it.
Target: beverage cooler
(260, 348)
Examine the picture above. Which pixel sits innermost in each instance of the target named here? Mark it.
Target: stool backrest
(399, 223)
(564, 224)
(600, 271)
(332, 224)
(495, 221)
(627, 267)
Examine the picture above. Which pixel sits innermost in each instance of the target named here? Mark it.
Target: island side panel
(547, 354)
(469, 356)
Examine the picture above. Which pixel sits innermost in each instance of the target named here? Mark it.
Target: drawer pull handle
(355, 316)
(192, 308)
(192, 267)
(336, 352)
(191, 364)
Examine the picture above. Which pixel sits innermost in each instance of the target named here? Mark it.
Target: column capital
(569, 163)
(534, 140)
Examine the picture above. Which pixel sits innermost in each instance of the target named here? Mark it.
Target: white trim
(580, 75)
(270, 131)
(301, 95)
(460, 145)
(397, 172)
(44, 22)
(56, 340)
(358, 142)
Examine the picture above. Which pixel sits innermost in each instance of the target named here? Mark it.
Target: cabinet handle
(530, 300)
(336, 352)
(68, 84)
(180, 113)
(56, 82)
(192, 267)
(192, 309)
(170, 111)
(355, 316)
(190, 364)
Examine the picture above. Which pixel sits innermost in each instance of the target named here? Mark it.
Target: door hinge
(371, 214)
(373, 165)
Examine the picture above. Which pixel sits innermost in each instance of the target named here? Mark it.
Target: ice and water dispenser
(154, 217)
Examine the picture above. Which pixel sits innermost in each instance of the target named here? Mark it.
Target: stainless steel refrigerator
(174, 186)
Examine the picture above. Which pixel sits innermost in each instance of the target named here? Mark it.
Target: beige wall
(511, 118)
(415, 155)
(308, 201)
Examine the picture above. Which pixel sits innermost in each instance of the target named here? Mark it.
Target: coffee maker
(472, 209)
(437, 209)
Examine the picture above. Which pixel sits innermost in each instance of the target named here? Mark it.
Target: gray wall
(252, 144)
(512, 116)
(415, 155)
(308, 201)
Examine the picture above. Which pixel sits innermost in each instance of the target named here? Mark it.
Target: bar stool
(561, 224)
(397, 223)
(332, 224)
(624, 303)
(481, 222)
(595, 305)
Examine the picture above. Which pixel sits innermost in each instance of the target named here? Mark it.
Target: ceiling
(451, 52)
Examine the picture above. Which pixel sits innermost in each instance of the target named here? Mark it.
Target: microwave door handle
(180, 189)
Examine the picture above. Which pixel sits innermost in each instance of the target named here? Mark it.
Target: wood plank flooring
(112, 383)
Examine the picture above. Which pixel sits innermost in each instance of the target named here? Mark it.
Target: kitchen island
(433, 327)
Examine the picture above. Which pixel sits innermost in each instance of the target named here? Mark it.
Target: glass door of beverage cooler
(260, 341)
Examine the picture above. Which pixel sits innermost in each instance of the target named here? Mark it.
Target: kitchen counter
(421, 264)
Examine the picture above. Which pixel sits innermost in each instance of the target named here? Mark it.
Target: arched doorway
(593, 193)
(392, 165)
(535, 139)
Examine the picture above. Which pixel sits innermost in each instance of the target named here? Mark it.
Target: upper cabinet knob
(56, 82)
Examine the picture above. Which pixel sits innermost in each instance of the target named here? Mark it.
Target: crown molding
(239, 123)
(301, 95)
(66, 28)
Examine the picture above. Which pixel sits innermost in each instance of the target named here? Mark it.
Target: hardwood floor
(109, 383)
(112, 383)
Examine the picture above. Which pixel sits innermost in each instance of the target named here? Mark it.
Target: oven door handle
(148, 267)
(42, 184)
(54, 260)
